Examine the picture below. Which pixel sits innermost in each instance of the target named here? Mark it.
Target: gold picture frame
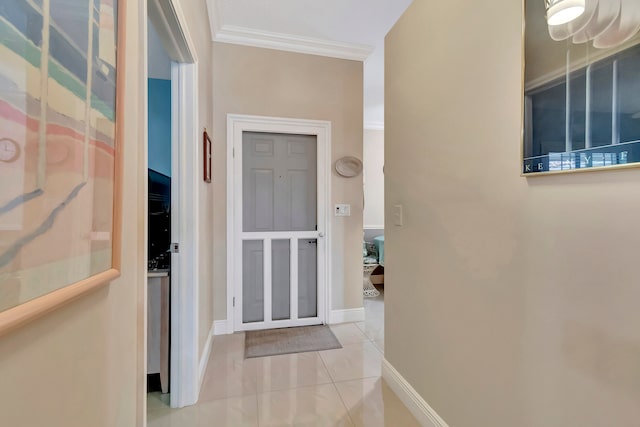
(562, 71)
(206, 155)
(50, 125)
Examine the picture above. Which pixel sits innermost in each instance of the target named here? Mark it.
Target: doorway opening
(158, 214)
(373, 235)
(278, 222)
(172, 297)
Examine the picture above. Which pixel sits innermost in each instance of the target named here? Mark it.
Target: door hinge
(234, 301)
(175, 248)
(233, 152)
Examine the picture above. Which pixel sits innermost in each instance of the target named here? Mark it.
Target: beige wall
(266, 82)
(373, 178)
(509, 301)
(82, 365)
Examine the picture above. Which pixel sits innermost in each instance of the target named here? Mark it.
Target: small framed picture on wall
(207, 156)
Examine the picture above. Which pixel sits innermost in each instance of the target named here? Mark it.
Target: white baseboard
(220, 327)
(346, 316)
(420, 409)
(204, 359)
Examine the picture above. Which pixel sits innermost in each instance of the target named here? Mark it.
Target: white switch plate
(343, 210)
(398, 215)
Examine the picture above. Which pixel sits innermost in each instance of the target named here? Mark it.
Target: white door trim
(236, 125)
(184, 372)
(171, 25)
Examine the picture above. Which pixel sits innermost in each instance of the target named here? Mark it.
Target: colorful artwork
(57, 144)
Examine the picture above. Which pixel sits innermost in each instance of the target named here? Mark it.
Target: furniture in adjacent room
(370, 263)
(379, 242)
(368, 290)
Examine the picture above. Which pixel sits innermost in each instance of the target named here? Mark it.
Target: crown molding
(287, 42)
(374, 125)
(214, 17)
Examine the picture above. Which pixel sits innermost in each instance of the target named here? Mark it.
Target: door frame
(236, 125)
(170, 23)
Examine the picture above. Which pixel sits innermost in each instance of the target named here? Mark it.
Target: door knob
(321, 234)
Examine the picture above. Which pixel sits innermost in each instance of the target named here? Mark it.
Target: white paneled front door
(279, 231)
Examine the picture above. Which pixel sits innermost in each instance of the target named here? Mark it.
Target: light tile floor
(339, 387)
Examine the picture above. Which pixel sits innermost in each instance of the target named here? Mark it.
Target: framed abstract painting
(582, 86)
(60, 152)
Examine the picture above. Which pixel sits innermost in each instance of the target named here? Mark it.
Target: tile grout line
(244, 359)
(353, 423)
(309, 387)
(377, 349)
(234, 396)
(367, 340)
(334, 382)
(296, 387)
(257, 411)
(359, 379)
(325, 366)
(365, 333)
(370, 339)
(302, 386)
(370, 377)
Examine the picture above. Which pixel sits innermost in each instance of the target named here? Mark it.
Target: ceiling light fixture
(563, 11)
(608, 23)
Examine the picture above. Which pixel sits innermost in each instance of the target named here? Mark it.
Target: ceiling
(350, 29)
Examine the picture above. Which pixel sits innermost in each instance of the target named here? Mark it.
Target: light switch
(398, 216)
(343, 210)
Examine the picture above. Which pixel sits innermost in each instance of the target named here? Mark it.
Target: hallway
(329, 388)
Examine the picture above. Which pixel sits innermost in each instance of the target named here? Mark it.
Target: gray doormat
(289, 340)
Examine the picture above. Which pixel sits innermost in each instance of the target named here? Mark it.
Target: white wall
(509, 301)
(373, 160)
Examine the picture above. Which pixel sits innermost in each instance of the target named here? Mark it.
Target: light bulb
(563, 11)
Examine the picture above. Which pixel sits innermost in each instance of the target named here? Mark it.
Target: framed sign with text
(581, 86)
